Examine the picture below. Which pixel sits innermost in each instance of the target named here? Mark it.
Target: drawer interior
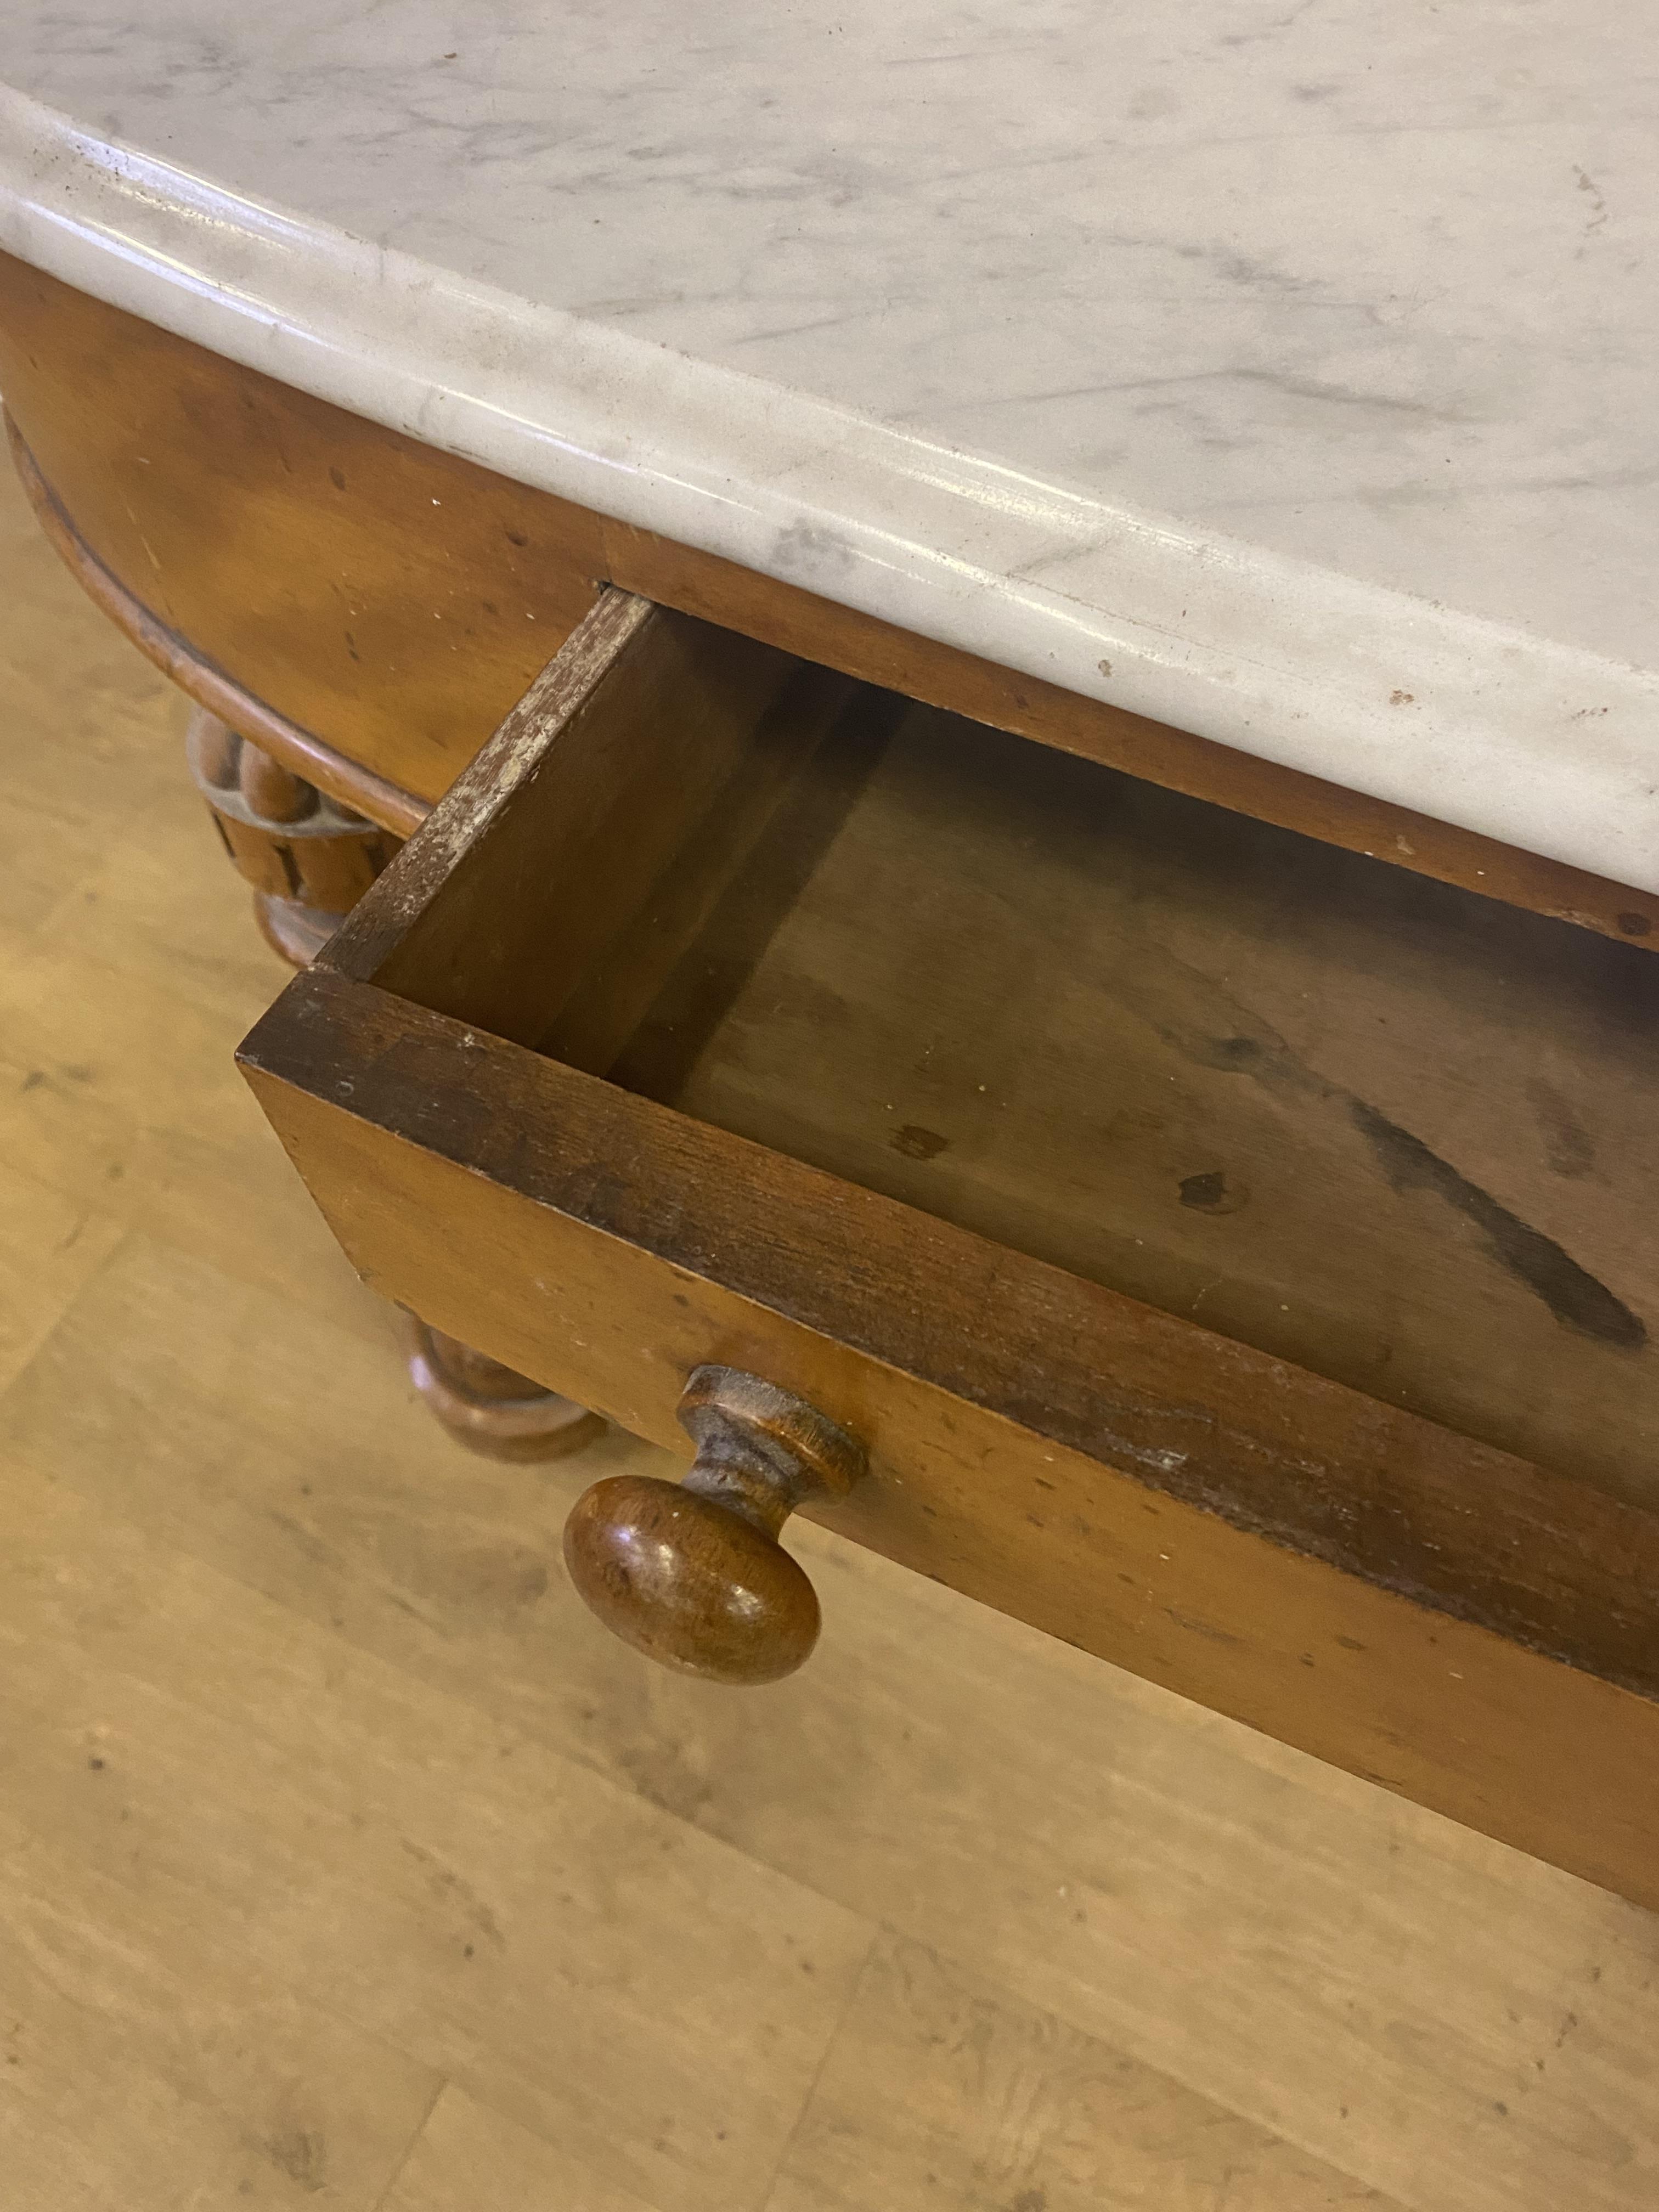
(1390, 1131)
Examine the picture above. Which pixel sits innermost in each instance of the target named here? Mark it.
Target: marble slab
(1282, 369)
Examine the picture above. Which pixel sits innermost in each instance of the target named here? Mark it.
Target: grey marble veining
(1282, 370)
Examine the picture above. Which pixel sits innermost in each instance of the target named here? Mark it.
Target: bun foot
(488, 1409)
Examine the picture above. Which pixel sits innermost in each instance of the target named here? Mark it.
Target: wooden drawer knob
(691, 1573)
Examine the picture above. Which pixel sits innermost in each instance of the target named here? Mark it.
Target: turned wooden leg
(309, 860)
(489, 1408)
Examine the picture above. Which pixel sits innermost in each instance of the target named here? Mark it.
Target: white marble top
(1280, 368)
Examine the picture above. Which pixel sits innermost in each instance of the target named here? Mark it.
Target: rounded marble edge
(1520, 737)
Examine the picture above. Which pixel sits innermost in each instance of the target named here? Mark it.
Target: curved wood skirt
(342, 779)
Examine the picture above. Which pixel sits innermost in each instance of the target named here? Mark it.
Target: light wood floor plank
(468, 2157)
(1159, 1879)
(120, 1093)
(943, 2091)
(148, 2064)
(48, 1248)
(604, 1974)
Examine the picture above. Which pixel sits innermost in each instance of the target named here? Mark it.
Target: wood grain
(469, 2155)
(604, 1246)
(289, 843)
(488, 1408)
(688, 1584)
(244, 1568)
(390, 599)
(998, 985)
(481, 1869)
(942, 676)
(1379, 1129)
(346, 781)
(938, 2089)
(395, 616)
(692, 1573)
(117, 2009)
(50, 1245)
(941, 915)
(644, 716)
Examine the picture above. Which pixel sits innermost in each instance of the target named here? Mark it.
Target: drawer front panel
(1455, 1716)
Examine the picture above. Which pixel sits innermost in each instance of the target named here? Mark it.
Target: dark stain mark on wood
(1574, 1297)
(1569, 1146)
(1249, 1045)
(918, 1144)
(1206, 1629)
(1635, 925)
(1212, 1192)
(1203, 1191)
(301, 2154)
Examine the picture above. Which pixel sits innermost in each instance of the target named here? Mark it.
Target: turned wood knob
(692, 1573)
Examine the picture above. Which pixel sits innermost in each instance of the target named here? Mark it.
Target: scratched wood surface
(1079, 981)
(1382, 1129)
(346, 1864)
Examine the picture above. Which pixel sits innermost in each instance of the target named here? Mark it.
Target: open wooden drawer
(1231, 1254)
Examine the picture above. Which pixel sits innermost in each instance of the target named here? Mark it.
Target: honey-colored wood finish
(1176, 760)
(390, 599)
(308, 860)
(691, 1573)
(491, 1409)
(346, 780)
(1471, 1626)
(1393, 1134)
(525, 1209)
(390, 602)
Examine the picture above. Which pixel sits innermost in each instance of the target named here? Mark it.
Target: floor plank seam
(410, 2148)
(855, 1986)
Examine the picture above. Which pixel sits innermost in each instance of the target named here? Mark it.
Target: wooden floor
(346, 1864)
